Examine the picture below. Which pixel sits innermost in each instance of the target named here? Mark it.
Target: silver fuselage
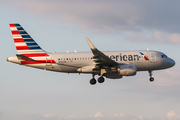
(71, 62)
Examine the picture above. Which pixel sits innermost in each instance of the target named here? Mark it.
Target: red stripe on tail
(12, 25)
(36, 55)
(18, 40)
(22, 48)
(15, 32)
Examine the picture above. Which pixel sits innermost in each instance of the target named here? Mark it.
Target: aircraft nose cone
(171, 62)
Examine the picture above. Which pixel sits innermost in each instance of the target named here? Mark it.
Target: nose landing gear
(150, 74)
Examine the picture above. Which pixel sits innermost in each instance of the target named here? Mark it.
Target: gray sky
(114, 25)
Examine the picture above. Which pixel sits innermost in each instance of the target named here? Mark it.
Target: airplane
(112, 65)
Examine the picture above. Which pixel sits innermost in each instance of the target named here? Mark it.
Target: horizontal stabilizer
(23, 57)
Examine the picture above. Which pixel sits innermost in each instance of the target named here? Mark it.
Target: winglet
(90, 44)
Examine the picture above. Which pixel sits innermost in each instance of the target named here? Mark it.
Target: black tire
(101, 80)
(92, 81)
(151, 79)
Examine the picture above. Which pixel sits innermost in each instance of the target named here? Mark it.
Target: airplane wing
(100, 58)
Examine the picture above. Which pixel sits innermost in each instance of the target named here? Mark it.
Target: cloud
(108, 16)
(121, 116)
(175, 38)
(164, 78)
(42, 117)
(173, 115)
(141, 117)
(165, 37)
(168, 77)
(157, 36)
(48, 115)
(99, 114)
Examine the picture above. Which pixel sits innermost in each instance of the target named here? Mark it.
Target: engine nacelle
(127, 70)
(88, 69)
(113, 75)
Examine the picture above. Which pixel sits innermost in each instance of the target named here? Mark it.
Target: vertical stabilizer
(28, 51)
(23, 41)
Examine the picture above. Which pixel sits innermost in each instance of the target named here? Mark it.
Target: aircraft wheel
(93, 81)
(151, 79)
(101, 80)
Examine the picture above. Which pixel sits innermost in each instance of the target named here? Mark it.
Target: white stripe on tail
(23, 41)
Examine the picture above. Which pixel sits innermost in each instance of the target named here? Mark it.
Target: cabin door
(152, 57)
(48, 61)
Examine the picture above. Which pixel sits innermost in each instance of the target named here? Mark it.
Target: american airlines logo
(124, 57)
(145, 57)
(121, 57)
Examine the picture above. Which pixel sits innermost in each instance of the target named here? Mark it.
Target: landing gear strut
(150, 74)
(93, 80)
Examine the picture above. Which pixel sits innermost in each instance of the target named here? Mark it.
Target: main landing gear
(150, 74)
(101, 79)
(93, 80)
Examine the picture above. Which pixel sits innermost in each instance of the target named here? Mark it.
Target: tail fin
(23, 41)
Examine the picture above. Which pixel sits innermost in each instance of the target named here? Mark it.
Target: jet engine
(120, 71)
(127, 70)
(113, 75)
(113, 72)
(88, 69)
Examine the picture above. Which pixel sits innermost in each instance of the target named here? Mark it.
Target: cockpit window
(164, 56)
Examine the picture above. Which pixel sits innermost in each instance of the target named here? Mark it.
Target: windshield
(163, 56)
